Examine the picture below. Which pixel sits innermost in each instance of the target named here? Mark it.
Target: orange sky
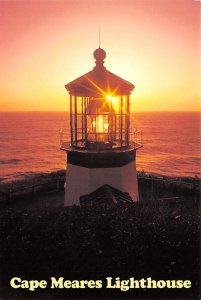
(154, 44)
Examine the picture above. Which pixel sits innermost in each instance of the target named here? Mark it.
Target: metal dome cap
(99, 54)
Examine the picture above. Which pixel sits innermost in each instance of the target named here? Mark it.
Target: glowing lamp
(99, 119)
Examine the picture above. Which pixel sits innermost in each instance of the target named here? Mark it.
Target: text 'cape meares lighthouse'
(102, 147)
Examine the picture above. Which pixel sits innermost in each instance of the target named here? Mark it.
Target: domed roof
(97, 82)
(99, 54)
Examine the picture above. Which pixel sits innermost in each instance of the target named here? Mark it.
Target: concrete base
(81, 181)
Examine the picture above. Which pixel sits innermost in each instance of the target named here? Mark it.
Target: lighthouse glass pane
(97, 127)
(79, 104)
(79, 127)
(115, 104)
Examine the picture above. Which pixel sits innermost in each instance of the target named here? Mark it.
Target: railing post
(121, 123)
(71, 121)
(128, 120)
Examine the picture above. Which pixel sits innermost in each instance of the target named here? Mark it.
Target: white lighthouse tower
(102, 146)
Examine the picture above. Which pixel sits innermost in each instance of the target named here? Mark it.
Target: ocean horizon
(29, 143)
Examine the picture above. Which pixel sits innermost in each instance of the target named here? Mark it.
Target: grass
(152, 238)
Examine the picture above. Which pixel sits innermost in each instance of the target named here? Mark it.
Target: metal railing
(135, 138)
(31, 190)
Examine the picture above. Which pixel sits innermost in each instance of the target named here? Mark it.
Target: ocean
(29, 143)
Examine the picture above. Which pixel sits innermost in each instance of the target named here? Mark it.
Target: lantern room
(99, 108)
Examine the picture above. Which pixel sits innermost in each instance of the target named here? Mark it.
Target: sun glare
(109, 98)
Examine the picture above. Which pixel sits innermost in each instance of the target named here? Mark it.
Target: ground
(152, 238)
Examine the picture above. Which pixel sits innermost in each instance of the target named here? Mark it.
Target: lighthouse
(101, 149)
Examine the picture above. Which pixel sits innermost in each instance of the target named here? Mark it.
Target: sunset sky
(154, 44)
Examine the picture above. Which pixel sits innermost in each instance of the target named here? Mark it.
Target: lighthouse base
(81, 181)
